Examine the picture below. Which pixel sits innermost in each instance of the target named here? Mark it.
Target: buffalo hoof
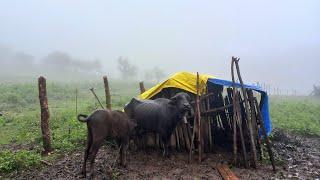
(83, 175)
(166, 155)
(124, 165)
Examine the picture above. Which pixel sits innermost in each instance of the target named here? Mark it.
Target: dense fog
(278, 41)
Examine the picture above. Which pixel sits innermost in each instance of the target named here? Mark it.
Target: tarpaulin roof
(182, 80)
(188, 82)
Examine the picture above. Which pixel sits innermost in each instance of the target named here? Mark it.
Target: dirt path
(300, 160)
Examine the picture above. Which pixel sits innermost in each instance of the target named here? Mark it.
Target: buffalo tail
(83, 118)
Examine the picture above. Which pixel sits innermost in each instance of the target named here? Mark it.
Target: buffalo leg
(166, 144)
(93, 152)
(86, 153)
(123, 152)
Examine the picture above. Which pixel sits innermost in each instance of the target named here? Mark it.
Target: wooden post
(264, 132)
(249, 120)
(199, 119)
(142, 89)
(107, 91)
(207, 101)
(234, 115)
(45, 116)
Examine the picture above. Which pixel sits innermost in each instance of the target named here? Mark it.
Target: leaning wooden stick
(264, 133)
(199, 119)
(95, 95)
(239, 118)
(249, 120)
(234, 115)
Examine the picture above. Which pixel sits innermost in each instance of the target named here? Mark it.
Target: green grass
(296, 114)
(20, 134)
(20, 123)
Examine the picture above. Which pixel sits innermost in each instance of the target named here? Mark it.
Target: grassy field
(296, 114)
(20, 137)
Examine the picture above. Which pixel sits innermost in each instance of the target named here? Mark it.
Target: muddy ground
(298, 157)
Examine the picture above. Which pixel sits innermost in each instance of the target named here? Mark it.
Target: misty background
(278, 41)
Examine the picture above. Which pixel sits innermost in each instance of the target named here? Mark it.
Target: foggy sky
(278, 41)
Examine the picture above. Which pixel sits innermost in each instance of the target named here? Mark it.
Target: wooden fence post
(107, 91)
(142, 89)
(45, 116)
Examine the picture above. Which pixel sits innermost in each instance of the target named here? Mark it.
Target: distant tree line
(62, 65)
(57, 63)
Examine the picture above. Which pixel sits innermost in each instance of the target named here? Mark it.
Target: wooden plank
(226, 172)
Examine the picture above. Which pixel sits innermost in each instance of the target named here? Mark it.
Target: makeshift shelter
(187, 81)
(216, 114)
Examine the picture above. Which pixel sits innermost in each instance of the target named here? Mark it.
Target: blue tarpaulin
(264, 98)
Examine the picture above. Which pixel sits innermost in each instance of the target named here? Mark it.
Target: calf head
(182, 102)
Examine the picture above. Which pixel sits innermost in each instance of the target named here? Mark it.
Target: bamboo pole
(107, 92)
(45, 116)
(260, 119)
(249, 120)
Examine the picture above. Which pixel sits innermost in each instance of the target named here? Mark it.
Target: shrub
(12, 161)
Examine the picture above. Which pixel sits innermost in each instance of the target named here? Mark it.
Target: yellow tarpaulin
(182, 80)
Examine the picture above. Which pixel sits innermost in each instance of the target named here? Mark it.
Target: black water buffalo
(160, 115)
(102, 124)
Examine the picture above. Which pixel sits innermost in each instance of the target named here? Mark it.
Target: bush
(12, 161)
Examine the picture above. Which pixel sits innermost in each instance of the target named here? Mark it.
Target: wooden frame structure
(228, 117)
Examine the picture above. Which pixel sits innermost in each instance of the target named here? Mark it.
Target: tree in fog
(316, 91)
(154, 75)
(14, 62)
(57, 62)
(62, 63)
(127, 69)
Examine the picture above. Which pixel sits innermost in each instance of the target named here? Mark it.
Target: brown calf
(102, 124)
